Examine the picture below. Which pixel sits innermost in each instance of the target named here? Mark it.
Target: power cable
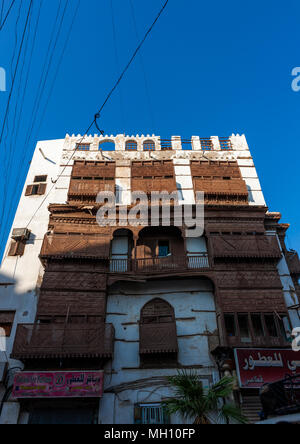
(2, 10)
(59, 65)
(16, 38)
(8, 154)
(53, 83)
(14, 77)
(46, 70)
(143, 69)
(16, 70)
(7, 14)
(102, 106)
(117, 62)
(18, 119)
(133, 57)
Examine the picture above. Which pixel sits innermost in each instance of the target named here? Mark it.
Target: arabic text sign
(58, 385)
(257, 367)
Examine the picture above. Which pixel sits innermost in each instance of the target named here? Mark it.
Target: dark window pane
(38, 179)
(257, 325)
(35, 190)
(230, 325)
(163, 249)
(244, 327)
(271, 326)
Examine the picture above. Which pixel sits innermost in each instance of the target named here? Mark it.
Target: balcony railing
(35, 341)
(159, 264)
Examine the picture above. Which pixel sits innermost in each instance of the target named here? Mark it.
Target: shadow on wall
(10, 312)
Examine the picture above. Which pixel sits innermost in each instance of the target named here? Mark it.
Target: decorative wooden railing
(34, 341)
(158, 264)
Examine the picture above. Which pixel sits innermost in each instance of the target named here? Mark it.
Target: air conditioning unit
(3, 370)
(21, 234)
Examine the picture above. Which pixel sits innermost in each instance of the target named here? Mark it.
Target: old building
(96, 317)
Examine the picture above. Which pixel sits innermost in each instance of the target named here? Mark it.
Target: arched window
(158, 335)
(131, 145)
(157, 311)
(149, 145)
(107, 146)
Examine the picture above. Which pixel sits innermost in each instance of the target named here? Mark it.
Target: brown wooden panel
(52, 303)
(149, 185)
(158, 338)
(76, 246)
(94, 169)
(245, 246)
(52, 341)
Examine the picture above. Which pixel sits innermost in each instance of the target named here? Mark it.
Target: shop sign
(58, 385)
(256, 367)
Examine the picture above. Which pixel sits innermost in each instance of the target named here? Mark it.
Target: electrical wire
(133, 57)
(18, 119)
(143, 70)
(16, 70)
(53, 84)
(16, 38)
(117, 62)
(103, 105)
(46, 70)
(14, 78)
(2, 10)
(59, 64)
(7, 14)
(43, 79)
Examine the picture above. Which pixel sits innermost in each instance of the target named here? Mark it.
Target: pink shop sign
(58, 385)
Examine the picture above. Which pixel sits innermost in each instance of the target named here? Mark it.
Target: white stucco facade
(193, 300)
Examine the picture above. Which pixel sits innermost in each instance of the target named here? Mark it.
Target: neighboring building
(115, 310)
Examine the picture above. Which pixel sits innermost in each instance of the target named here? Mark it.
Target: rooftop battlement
(147, 142)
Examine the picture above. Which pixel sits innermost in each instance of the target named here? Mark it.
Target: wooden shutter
(42, 189)
(29, 190)
(13, 248)
(20, 248)
(17, 248)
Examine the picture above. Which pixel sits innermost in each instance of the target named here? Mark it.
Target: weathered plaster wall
(193, 302)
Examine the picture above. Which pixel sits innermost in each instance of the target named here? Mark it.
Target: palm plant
(191, 400)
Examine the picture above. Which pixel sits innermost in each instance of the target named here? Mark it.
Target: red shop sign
(257, 367)
(58, 385)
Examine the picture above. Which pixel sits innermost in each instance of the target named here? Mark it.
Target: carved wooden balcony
(74, 247)
(158, 338)
(38, 341)
(159, 265)
(246, 246)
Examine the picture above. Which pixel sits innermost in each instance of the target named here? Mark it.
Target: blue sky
(209, 68)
